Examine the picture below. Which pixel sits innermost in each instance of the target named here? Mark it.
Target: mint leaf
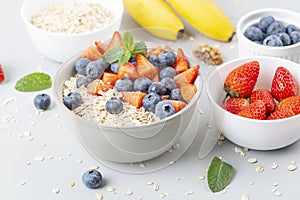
(219, 174)
(139, 48)
(124, 58)
(113, 54)
(34, 82)
(127, 40)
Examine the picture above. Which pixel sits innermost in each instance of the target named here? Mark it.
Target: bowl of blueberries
(270, 32)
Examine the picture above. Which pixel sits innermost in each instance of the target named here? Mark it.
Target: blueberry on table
(154, 60)
(92, 178)
(169, 83)
(295, 37)
(42, 101)
(72, 100)
(164, 109)
(158, 88)
(83, 80)
(167, 72)
(114, 105)
(264, 22)
(273, 40)
(285, 38)
(142, 84)
(166, 58)
(254, 33)
(94, 70)
(123, 85)
(80, 65)
(150, 100)
(176, 95)
(290, 28)
(275, 27)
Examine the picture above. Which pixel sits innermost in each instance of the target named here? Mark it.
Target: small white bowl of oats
(149, 121)
(60, 29)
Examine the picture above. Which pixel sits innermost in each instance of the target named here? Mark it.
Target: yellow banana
(206, 17)
(156, 17)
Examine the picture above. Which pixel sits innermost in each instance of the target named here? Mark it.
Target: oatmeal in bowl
(129, 100)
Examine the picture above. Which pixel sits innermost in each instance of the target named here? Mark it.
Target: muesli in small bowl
(130, 101)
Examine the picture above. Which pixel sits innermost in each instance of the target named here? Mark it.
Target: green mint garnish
(34, 82)
(128, 50)
(219, 174)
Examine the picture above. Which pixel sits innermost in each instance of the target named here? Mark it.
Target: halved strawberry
(155, 51)
(255, 110)
(188, 91)
(128, 70)
(178, 105)
(109, 78)
(181, 63)
(2, 77)
(235, 104)
(96, 85)
(266, 96)
(133, 98)
(115, 41)
(187, 76)
(290, 103)
(102, 48)
(145, 68)
(92, 53)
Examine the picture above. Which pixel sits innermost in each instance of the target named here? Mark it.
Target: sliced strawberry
(155, 51)
(2, 77)
(178, 105)
(109, 78)
(266, 96)
(181, 63)
(290, 103)
(188, 91)
(133, 98)
(235, 104)
(128, 70)
(187, 76)
(97, 85)
(115, 41)
(145, 68)
(167, 48)
(92, 53)
(102, 48)
(283, 84)
(255, 110)
(280, 114)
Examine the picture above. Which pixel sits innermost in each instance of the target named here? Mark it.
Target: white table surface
(23, 177)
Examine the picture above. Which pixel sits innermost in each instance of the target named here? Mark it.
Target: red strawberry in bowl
(290, 103)
(235, 104)
(240, 81)
(255, 110)
(283, 84)
(266, 96)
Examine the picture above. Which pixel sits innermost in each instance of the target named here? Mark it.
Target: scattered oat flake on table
(252, 160)
(111, 189)
(291, 167)
(72, 183)
(23, 183)
(39, 158)
(244, 197)
(274, 165)
(176, 146)
(99, 196)
(150, 183)
(128, 192)
(275, 184)
(163, 195)
(79, 161)
(189, 193)
(94, 167)
(156, 187)
(259, 169)
(278, 193)
(201, 177)
(55, 190)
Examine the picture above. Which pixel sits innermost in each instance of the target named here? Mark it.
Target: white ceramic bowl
(60, 46)
(251, 133)
(249, 48)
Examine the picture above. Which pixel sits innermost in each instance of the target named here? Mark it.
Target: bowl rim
(85, 33)
(58, 99)
(244, 17)
(224, 65)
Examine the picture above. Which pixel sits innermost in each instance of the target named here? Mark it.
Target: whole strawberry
(2, 77)
(255, 110)
(283, 84)
(290, 103)
(266, 96)
(280, 114)
(235, 104)
(240, 82)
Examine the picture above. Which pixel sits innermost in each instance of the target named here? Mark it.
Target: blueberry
(158, 88)
(164, 109)
(103, 63)
(42, 101)
(273, 40)
(114, 105)
(285, 38)
(295, 37)
(94, 70)
(254, 33)
(154, 60)
(124, 84)
(72, 100)
(167, 72)
(264, 22)
(92, 178)
(83, 80)
(290, 28)
(150, 101)
(142, 84)
(80, 65)
(132, 60)
(169, 83)
(166, 58)
(258, 42)
(114, 67)
(275, 27)
(176, 95)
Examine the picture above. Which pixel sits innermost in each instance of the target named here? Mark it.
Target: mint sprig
(34, 82)
(219, 174)
(122, 54)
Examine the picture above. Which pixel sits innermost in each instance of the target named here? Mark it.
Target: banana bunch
(159, 18)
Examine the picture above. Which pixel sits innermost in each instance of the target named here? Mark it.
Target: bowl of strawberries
(256, 101)
(128, 100)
